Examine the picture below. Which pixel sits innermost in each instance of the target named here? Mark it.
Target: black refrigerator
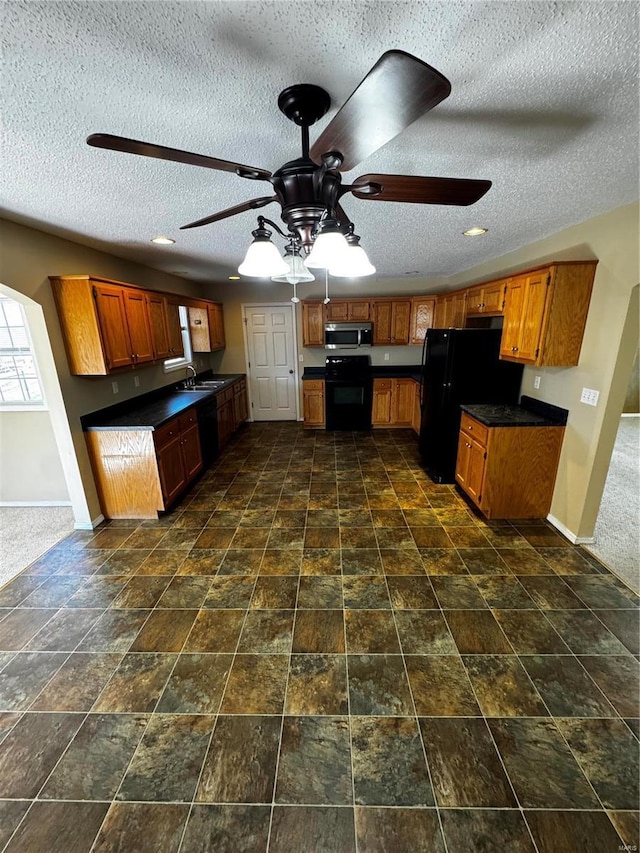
(459, 366)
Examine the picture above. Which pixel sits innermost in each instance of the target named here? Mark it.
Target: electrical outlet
(589, 396)
(386, 356)
(136, 381)
(114, 385)
(536, 382)
(300, 358)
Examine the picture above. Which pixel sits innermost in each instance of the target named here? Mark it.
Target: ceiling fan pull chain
(326, 287)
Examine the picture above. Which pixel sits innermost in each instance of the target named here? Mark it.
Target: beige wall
(30, 467)
(610, 342)
(27, 258)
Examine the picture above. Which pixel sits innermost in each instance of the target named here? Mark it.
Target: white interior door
(271, 368)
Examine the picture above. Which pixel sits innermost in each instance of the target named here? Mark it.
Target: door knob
(291, 371)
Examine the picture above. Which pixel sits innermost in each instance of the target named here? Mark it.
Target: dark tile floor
(318, 650)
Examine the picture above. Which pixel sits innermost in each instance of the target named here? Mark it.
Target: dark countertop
(397, 371)
(529, 412)
(152, 410)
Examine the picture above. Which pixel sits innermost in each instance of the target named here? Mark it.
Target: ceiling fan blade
(397, 91)
(422, 190)
(252, 204)
(147, 149)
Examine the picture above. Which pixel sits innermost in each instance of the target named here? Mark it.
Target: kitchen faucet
(190, 380)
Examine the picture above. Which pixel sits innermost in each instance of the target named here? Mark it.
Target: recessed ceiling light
(162, 241)
(234, 278)
(475, 231)
(412, 272)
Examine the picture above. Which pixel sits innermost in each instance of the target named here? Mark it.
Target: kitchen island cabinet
(509, 471)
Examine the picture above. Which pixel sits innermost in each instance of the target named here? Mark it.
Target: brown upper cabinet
(391, 321)
(206, 326)
(451, 310)
(423, 309)
(545, 312)
(347, 310)
(312, 324)
(485, 300)
(110, 325)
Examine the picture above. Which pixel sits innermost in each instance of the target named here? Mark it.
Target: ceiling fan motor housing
(305, 191)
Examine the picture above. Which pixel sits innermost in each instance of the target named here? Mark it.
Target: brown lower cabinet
(393, 402)
(508, 472)
(313, 403)
(140, 472)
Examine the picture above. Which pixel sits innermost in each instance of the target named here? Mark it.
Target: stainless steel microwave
(347, 335)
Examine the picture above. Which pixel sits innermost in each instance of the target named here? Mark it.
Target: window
(174, 363)
(19, 381)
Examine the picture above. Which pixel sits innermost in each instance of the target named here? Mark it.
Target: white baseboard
(571, 536)
(35, 503)
(630, 415)
(89, 525)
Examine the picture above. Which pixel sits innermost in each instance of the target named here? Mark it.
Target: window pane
(7, 366)
(19, 337)
(34, 393)
(5, 338)
(11, 391)
(12, 312)
(25, 365)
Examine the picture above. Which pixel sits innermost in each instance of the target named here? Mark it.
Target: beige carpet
(617, 536)
(27, 532)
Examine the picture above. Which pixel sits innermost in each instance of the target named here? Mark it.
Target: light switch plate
(136, 381)
(589, 396)
(386, 356)
(114, 385)
(536, 382)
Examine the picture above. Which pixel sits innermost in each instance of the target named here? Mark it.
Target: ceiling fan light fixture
(297, 271)
(354, 263)
(476, 231)
(328, 247)
(262, 260)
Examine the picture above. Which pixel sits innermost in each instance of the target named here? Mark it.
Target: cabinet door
(174, 332)
(158, 325)
(313, 403)
(513, 311)
(381, 412)
(216, 327)
(358, 311)
(403, 395)
(532, 316)
(422, 318)
(458, 310)
(475, 301)
(171, 469)
(382, 315)
(443, 312)
(200, 328)
(416, 418)
(470, 466)
(191, 453)
(400, 322)
(337, 312)
(239, 404)
(312, 324)
(139, 326)
(492, 298)
(112, 316)
(225, 422)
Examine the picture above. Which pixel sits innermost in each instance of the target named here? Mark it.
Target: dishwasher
(208, 428)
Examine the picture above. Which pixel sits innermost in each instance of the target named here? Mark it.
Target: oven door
(348, 403)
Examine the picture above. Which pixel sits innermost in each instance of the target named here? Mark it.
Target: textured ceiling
(544, 103)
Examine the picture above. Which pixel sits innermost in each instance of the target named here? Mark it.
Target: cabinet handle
(467, 444)
(470, 428)
(514, 349)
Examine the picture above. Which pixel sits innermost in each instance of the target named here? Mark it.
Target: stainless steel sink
(205, 385)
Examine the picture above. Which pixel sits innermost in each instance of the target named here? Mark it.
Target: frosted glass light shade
(297, 271)
(328, 249)
(263, 260)
(353, 264)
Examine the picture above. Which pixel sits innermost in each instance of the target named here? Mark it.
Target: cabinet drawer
(223, 397)
(313, 385)
(471, 426)
(188, 419)
(239, 387)
(166, 433)
(382, 384)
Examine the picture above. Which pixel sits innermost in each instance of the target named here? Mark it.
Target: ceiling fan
(397, 90)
